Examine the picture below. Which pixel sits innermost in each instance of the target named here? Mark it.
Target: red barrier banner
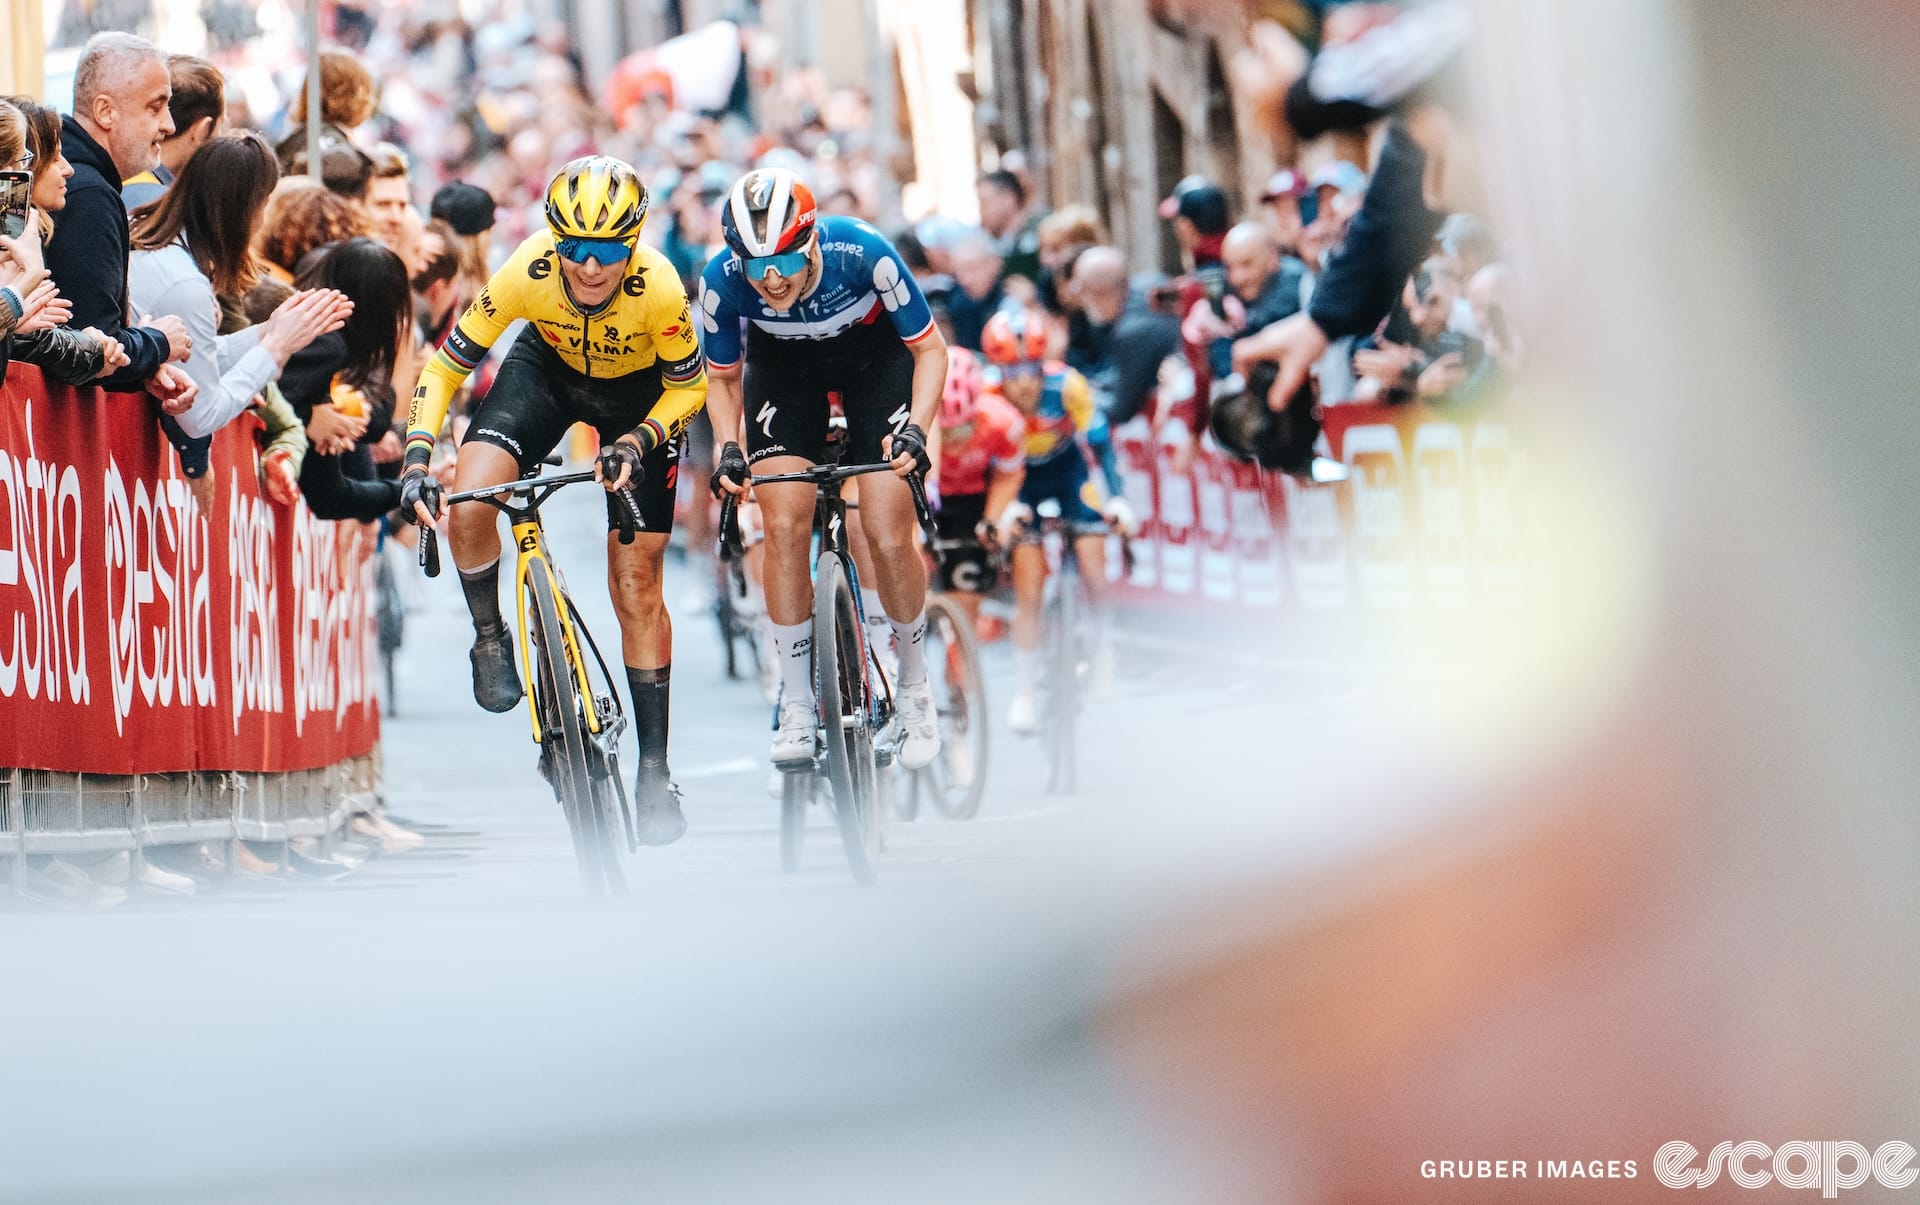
(1433, 515)
(139, 635)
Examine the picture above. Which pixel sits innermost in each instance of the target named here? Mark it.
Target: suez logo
(1828, 1165)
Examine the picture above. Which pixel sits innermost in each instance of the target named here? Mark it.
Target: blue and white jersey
(861, 279)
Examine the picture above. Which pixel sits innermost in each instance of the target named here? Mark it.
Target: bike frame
(521, 501)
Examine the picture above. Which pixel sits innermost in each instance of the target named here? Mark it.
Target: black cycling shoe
(656, 809)
(496, 681)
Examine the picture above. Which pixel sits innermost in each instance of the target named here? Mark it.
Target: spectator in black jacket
(1386, 241)
(341, 384)
(1114, 339)
(980, 289)
(1263, 286)
(120, 92)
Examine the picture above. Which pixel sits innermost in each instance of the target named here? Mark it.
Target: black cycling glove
(621, 453)
(910, 440)
(732, 466)
(418, 487)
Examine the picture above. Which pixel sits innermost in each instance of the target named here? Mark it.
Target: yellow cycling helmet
(597, 197)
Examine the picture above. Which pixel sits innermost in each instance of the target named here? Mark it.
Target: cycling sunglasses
(789, 265)
(1022, 370)
(611, 252)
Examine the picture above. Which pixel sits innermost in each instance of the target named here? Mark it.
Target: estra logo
(1829, 1166)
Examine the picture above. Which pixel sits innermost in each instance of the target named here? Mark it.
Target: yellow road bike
(577, 715)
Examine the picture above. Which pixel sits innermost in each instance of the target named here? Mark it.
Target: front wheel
(839, 660)
(957, 779)
(563, 743)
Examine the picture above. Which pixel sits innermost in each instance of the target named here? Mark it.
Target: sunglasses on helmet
(789, 265)
(611, 252)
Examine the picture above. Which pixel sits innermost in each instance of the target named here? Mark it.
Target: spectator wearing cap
(1280, 201)
(1005, 215)
(199, 110)
(1338, 186)
(1198, 210)
(120, 92)
(469, 210)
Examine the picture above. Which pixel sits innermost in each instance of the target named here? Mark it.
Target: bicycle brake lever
(924, 514)
(729, 528)
(429, 551)
(630, 525)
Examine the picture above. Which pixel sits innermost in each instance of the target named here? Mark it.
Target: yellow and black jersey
(647, 321)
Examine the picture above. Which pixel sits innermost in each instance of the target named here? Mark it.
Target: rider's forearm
(671, 414)
(1002, 491)
(724, 405)
(929, 379)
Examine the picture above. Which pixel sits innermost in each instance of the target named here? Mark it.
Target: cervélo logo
(1829, 1166)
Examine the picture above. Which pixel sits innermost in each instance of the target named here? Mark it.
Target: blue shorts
(1063, 479)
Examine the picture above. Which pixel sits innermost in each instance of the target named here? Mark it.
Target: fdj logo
(1828, 1166)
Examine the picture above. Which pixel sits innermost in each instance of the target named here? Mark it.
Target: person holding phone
(64, 354)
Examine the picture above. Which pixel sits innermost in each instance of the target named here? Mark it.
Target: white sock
(910, 639)
(870, 605)
(1026, 670)
(793, 644)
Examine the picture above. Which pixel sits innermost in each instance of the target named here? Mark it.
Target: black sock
(482, 588)
(649, 688)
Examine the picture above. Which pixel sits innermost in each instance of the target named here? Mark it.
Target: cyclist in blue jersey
(829, 307)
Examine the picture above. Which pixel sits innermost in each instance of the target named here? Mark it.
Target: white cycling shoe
(1023, 716)
(919, 726)
(793, 743)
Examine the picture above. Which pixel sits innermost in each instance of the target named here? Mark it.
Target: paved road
(455, 1024)
(470, 776)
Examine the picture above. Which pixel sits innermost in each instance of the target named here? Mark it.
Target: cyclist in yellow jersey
(609, 342)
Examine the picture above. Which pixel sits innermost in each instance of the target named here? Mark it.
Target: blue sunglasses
(789, 265)
(611, 252)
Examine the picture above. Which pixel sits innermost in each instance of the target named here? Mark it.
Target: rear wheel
(839, 662)
(957, 778)
(563, 739)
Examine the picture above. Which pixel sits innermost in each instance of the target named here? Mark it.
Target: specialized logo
(765, 418)
(898, 419)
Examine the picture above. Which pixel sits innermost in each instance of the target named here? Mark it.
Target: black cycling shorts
(534, 400)
(967, 568)
(787, 381)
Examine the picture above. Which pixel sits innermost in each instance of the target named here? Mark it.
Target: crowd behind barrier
(1435, 514)
(228, 650)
